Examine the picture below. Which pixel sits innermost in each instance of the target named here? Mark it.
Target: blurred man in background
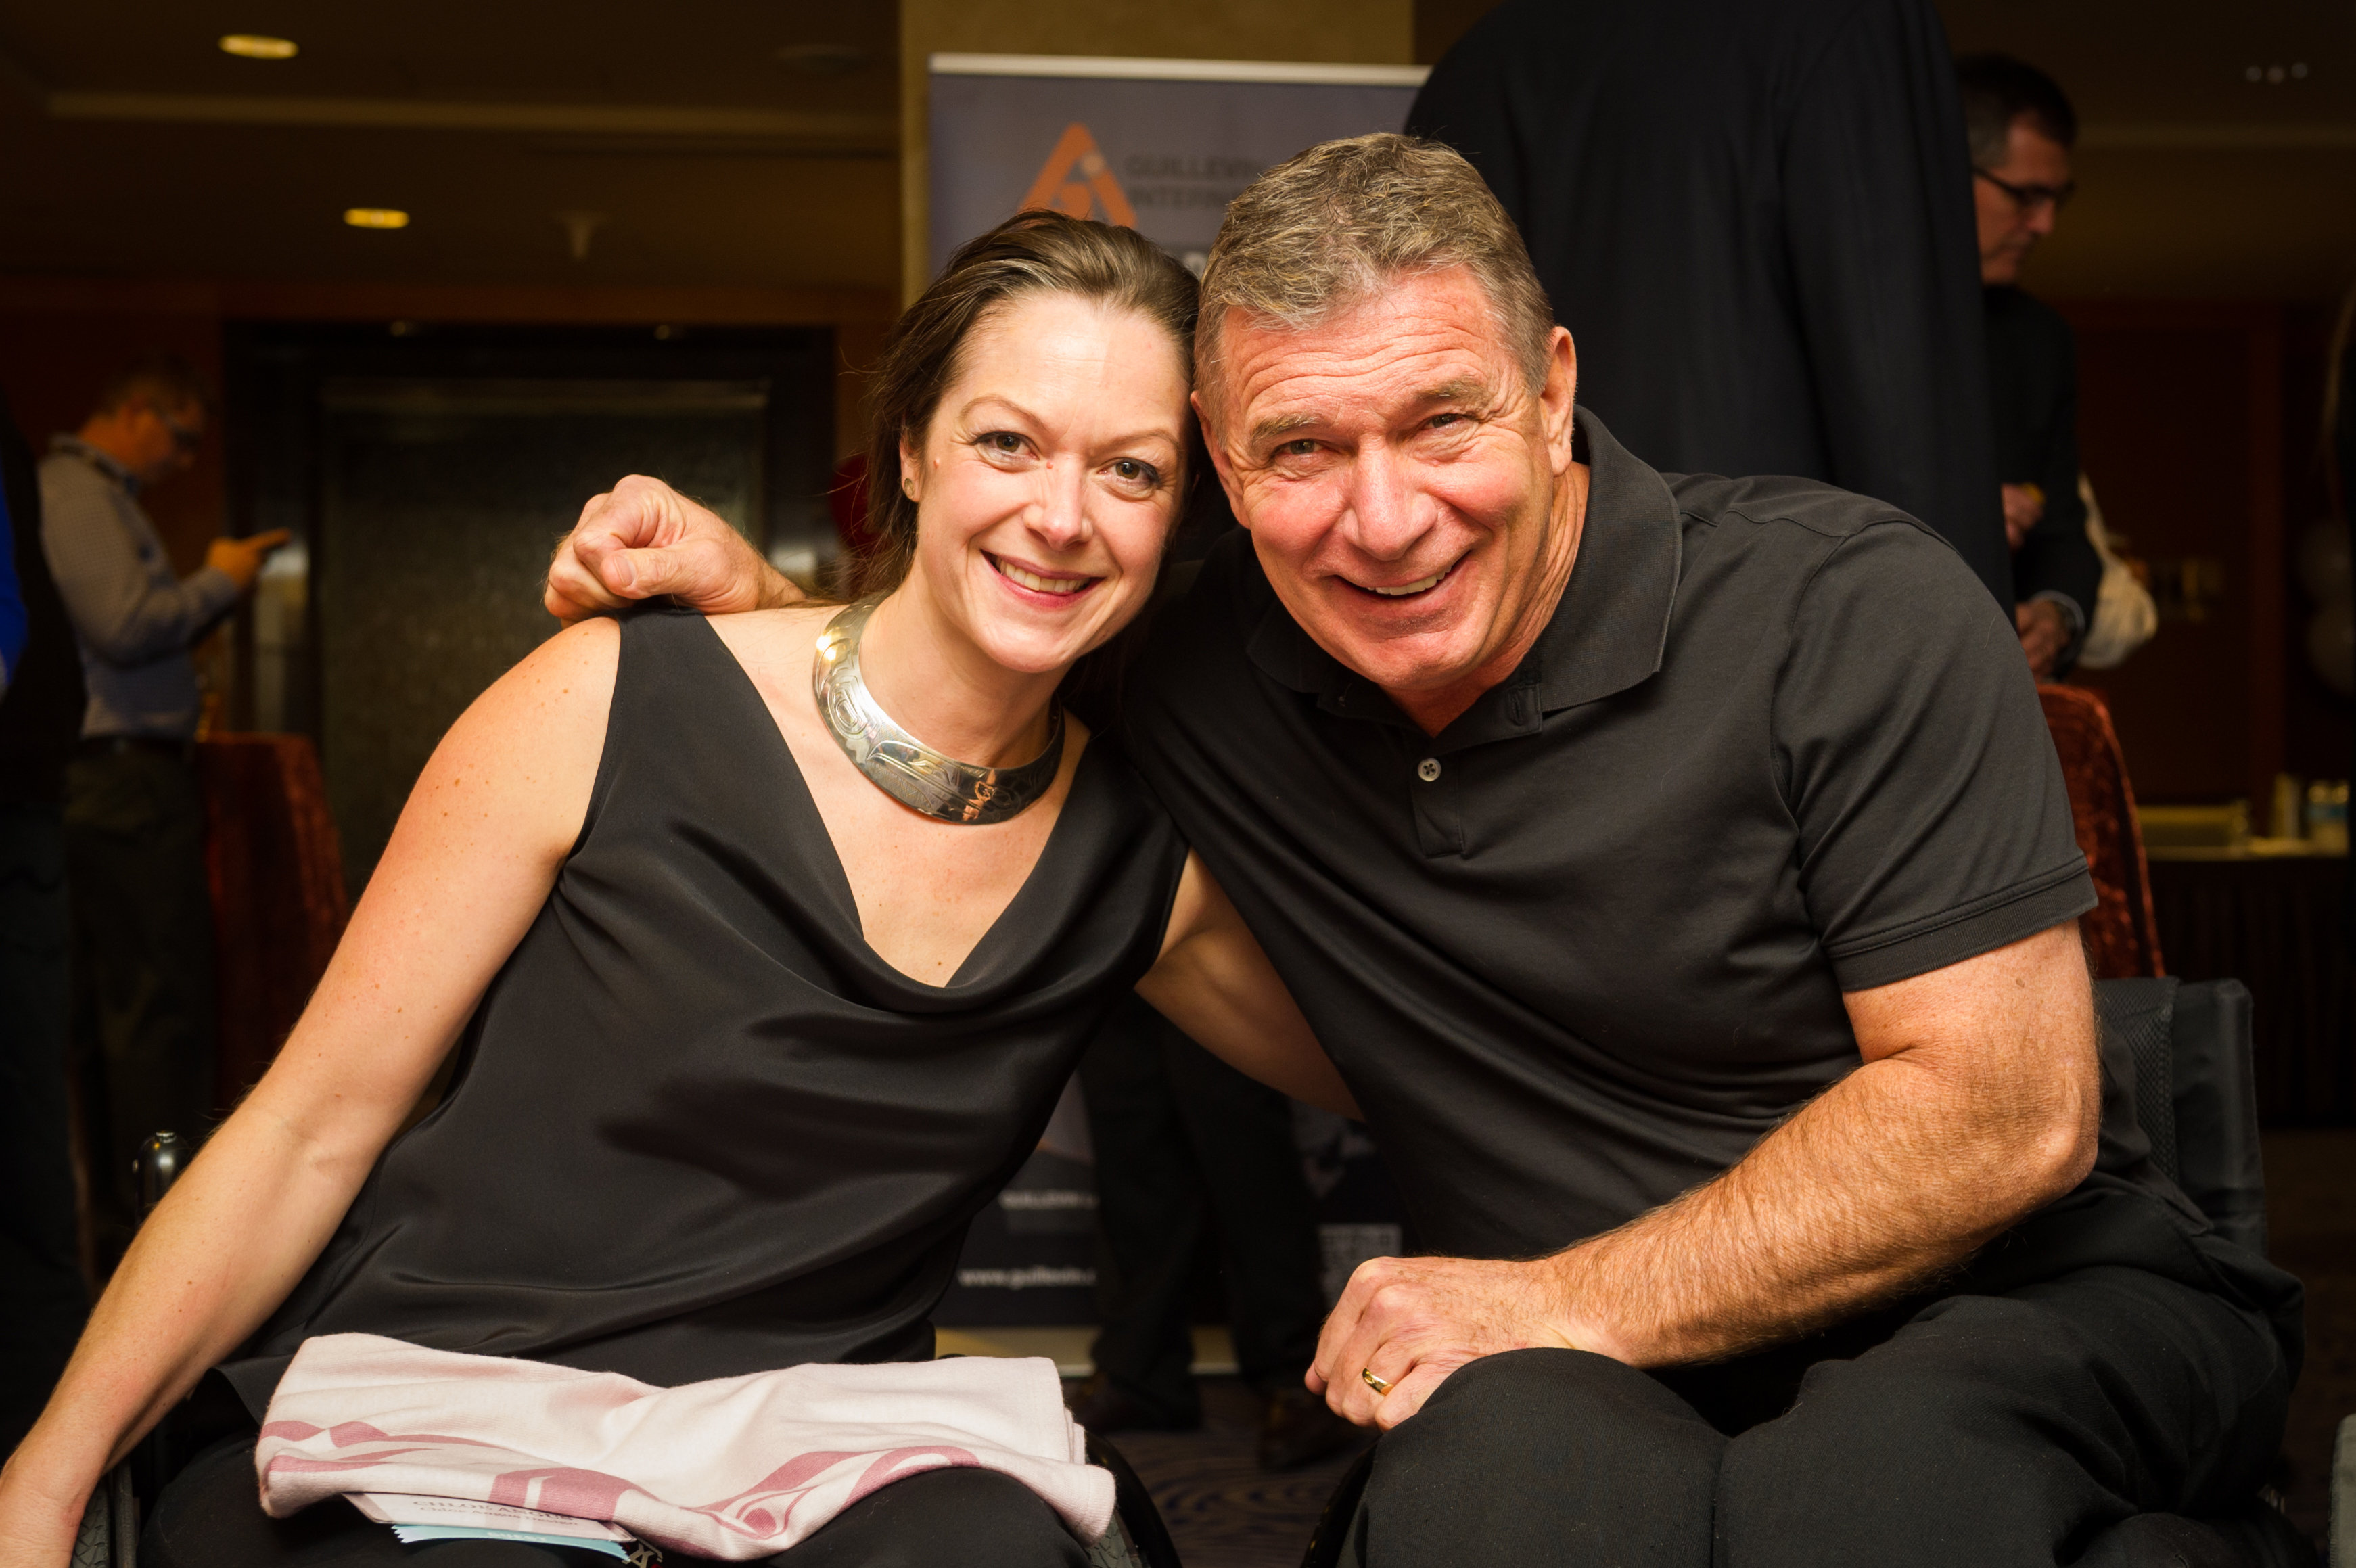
(1758, 213)
(134, 825)
(2021, 128)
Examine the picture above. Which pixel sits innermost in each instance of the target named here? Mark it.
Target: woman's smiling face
(1049, 478)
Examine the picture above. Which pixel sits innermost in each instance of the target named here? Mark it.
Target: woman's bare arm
(468, 867)
(1214, 982)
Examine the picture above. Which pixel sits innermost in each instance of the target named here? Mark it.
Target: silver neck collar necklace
(904, 767)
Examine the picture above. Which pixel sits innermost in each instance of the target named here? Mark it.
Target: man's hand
(2044, 633)
(642, 539)
(1412, 1321)
(240, 560)
(2024, 507)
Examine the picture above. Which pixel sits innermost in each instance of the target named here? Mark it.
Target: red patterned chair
(279, 904)
(2122, 937)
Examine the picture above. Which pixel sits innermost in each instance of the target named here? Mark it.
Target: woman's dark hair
(1030, 253)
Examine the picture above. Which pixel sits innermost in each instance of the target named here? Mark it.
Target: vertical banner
(1160, 145)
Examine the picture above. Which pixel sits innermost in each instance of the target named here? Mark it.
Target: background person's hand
(1415, 1320)
(240, 560)
(2044, 633)
(2024, 508)
(642, 538)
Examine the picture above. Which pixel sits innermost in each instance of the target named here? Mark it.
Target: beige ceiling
(134, 147)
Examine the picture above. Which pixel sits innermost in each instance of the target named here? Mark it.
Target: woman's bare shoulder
(775, 646)
(513, 776)
(565, 680)
(550, 711)
(770, 632)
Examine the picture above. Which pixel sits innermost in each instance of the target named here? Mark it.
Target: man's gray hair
(1325, 229)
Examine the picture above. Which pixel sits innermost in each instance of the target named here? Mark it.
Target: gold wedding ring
(1380, 1385)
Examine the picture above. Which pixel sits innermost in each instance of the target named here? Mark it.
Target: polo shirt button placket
(1439, 830)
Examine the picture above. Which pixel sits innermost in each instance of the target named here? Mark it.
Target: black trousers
(42, 1302)
(210, 1516)
(1180, 1137)
(143, 1008)
(2088, 1419)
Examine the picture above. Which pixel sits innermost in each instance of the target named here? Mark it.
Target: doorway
(425, 474)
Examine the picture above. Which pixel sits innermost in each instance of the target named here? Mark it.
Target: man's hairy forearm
(1901, 1171)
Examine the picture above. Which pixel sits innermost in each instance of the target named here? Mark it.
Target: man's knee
(965, 1515)
(1542, 1402)
(1549, 1451)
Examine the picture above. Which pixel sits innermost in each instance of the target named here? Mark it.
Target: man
(134, 825)
(1680, 876)
(1758, 213)
(2021, 129)
(41, 1297)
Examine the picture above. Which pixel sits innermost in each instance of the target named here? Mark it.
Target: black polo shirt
(1581, 949)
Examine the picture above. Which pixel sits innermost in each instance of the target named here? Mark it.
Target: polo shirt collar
(1608, 631)
(103, 461)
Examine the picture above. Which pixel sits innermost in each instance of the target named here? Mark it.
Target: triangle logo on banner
(1075, 181)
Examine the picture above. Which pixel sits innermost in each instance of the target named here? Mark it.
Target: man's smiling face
(1412, 500)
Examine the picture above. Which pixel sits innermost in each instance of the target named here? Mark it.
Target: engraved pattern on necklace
(904, 767)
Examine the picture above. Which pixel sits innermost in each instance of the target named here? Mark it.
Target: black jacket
(1755, 216)
(41, 717)
(2033, 406)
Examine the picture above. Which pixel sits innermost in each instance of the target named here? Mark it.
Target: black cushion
(2185, 1049)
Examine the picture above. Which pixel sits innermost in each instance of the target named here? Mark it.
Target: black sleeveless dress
(698, 1127)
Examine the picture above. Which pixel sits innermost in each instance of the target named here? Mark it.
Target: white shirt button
(1428, 769)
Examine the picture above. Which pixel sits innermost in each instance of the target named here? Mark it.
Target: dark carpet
(1223, 1509)
(2311, 1225)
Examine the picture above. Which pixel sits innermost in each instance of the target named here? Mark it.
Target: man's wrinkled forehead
(1450, 334)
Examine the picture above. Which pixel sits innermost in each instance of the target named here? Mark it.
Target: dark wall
(2181, 430)
(2197, 423)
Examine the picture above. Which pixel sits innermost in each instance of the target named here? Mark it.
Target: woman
(758, 995)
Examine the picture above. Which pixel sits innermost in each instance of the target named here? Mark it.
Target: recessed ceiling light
(823, 59)
(257, 46)
(376, 218)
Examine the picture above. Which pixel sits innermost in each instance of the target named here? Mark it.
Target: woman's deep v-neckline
(832, 861)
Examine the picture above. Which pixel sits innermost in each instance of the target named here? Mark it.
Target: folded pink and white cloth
(735, 1469)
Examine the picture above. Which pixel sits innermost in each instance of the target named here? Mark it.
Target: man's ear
(1559, 398)
(1219, 459)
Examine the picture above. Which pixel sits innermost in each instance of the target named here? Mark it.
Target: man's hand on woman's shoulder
(642, 538)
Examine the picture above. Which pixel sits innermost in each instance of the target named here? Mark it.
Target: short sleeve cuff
(1981, 926)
